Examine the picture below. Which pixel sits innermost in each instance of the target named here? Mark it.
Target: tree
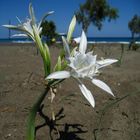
(134, 27)
(49, 31)
(95, 12)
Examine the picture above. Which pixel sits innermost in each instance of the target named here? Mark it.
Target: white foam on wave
(22, 41)
(106, 42)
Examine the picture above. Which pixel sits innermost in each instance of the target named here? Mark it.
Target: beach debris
(7, 136)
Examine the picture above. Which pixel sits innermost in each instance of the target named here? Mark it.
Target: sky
(64, 11)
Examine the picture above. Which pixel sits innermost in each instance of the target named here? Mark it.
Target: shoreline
(27, 44)
(58, 42)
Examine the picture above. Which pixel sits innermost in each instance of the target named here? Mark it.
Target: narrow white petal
(18, 20)
(44, 17)
(91, 59)
(102, 85)
(106, 62)
(77, 40)
(19, 35)
(13, 27)
(10, 26)
(28, 28)
(51, 12)
(87, 94)
(59, 75)
(90, 53)
(83, 43)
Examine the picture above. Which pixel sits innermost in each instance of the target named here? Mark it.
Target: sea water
(90, 40)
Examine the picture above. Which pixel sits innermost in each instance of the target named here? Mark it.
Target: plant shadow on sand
(69, 132)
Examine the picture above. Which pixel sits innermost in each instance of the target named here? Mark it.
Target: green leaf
(58, 66)
(66, 47)
(47, 58)
(71, 29)
(73, 51)
(64, 65)
(62, 53)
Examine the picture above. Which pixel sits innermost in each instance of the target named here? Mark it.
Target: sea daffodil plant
(77, 64)
(33, 30)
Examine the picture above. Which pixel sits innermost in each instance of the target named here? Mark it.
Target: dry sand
(22, 81)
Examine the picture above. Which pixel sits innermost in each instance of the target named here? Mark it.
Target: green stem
(33, 112)
(121, 56)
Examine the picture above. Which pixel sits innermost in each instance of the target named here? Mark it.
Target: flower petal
(77, 40)
(59, 75)
(106, 62)
(19, 35)
(12, 27)
(44, 17)
(83, 43)
(87, 94)
(102, 85)
(28, 27)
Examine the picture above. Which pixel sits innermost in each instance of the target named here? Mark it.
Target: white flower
(25, 27)
(29, 25)
(32, 29)
(83, 65)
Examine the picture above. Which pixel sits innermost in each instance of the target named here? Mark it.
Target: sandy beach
(113, 118)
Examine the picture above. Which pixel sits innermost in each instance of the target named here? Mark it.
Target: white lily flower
(84, 65)
(25, 27)
(33, 30)
(29, 24)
